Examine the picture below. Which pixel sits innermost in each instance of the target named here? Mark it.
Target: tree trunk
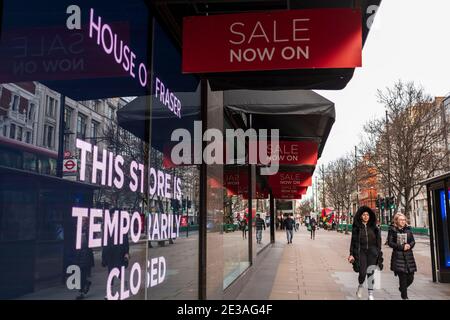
(407, 203)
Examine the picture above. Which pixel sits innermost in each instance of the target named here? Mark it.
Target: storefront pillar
(203, 212)
(272, 218)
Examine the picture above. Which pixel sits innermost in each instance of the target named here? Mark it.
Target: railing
(16, 115)
(385, 227)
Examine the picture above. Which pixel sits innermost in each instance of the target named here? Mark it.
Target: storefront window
(443, 227)
(262, 226)
(236, 223)
(110, 216)
(174, 189)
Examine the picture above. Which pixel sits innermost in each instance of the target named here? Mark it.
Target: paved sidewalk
(318, 270)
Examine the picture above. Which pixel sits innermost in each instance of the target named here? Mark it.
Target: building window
(19, 133)
(31, 111)
(110, 113)
(15, 102)
(5, 130)
(81, 127)
(48, 136)
(50, 109)
(94, 129)
(12, 131)
(68, 118)
(96, 105)
(28, 137)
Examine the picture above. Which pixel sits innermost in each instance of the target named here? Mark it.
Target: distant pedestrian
(84, 258)
(403, 264)
(365, 248)
(244, 228)
(312, 225)
(289, 226)
(116, 255)
(259, 224)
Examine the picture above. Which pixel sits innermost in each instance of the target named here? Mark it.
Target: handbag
(126, 262)
(356, 266)
(380, 261)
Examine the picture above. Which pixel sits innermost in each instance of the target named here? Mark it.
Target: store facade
(91, 204)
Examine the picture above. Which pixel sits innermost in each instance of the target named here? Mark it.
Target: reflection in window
(81, 126)
(29, 137)
(49, 136)
(68, 118)
(50, 108)
(94, 129)
(10, 158)
(29, 161)
(15, 103)
(31, 112)
(236, 224)
(12, 131)
(19, 133)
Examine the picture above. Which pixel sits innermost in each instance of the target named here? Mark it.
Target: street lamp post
(356, 176)
(389, 164)
(370, 196)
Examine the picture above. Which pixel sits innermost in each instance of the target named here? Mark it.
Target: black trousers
(84, 278)
(313, 233)
(367, 258)
(405, 280)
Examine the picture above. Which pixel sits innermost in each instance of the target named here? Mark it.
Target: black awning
(298, 114)
(317, 79)
(135, 117)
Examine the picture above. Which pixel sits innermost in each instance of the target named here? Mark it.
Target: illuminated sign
(167, 98)
(112, 45)
(111, 171)
(115, 226)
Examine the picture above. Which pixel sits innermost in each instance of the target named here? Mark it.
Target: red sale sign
(290, 179)
(287, 196)
(293, 153)
(291, 39)
(184, 221)
(291, 190)
(236, 183)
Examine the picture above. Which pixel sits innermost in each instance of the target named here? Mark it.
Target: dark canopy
(298, 114)
(135, 117)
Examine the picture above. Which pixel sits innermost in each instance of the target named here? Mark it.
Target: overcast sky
(410, 40)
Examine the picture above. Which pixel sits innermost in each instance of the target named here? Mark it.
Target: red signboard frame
(290, 39)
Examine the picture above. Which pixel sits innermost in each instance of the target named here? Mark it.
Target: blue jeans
(289, 234)
(258, 235)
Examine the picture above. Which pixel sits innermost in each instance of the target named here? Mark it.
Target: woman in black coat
(401, 240)
(365, 247)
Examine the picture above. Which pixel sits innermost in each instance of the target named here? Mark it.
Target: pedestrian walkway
(318, 270)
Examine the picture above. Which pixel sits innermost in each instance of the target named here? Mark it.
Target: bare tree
(409, 147)
(306, 207)
(338, 180)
